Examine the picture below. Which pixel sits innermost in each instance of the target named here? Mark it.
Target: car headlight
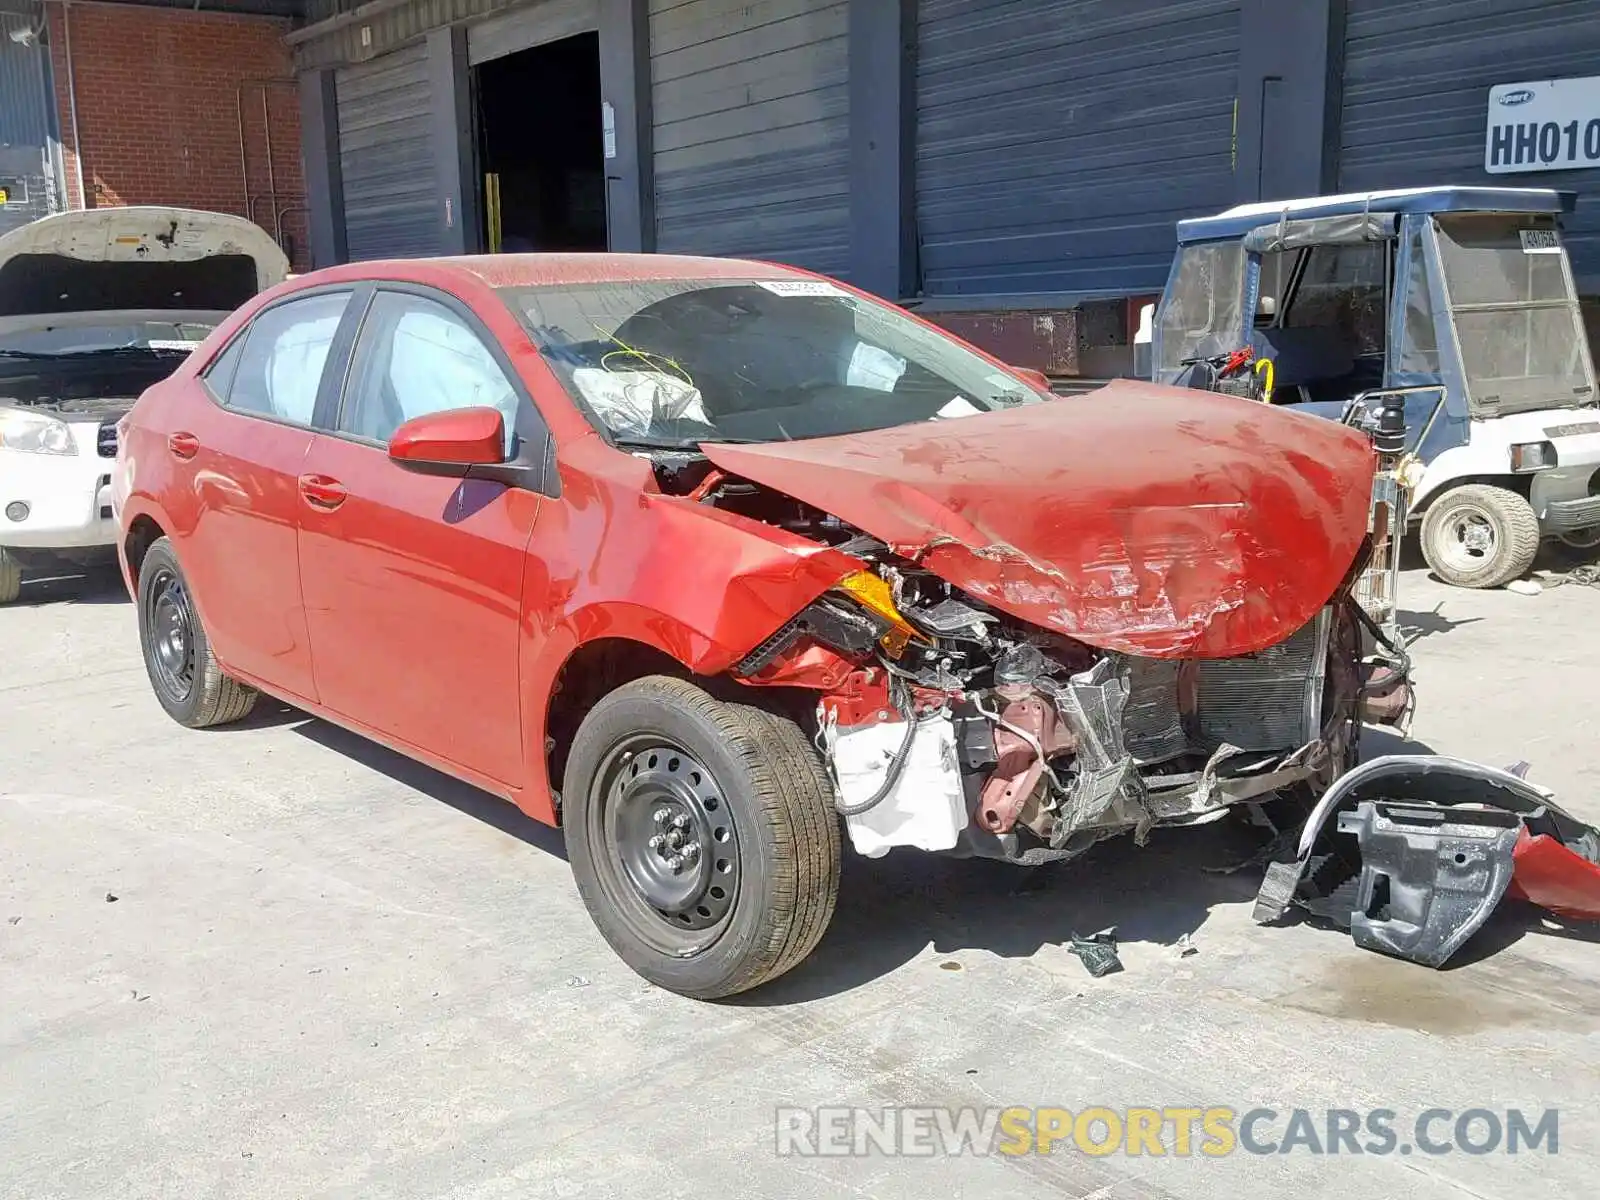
(1532, 456)
(34, 433)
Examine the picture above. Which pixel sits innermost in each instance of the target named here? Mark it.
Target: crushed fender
(1412, 855)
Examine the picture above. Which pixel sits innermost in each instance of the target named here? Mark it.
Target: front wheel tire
(185, 674)
(1480, 536)
(702, 837)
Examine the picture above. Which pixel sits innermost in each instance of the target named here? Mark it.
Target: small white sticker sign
(802, 287)
(172, 344)
(608, 128)
(1540, 241)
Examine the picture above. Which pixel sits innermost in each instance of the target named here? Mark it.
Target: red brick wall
(158, 111)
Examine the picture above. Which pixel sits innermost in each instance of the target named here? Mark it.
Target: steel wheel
(1582, 539)
(169, 628)
(670, 862)
(1469, 539)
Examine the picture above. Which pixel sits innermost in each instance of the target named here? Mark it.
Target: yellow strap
(1265, 364)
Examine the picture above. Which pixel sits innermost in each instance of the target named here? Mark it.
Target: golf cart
(1455, 305)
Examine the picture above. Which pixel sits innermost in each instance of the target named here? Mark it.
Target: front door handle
(183, 445)
(320, 491)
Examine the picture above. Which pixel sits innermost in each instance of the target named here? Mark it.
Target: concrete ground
(277, 961)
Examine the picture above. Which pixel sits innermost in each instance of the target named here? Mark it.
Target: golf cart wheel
(1480, 536)
(184, 672)
(10, 578)
(702, 836)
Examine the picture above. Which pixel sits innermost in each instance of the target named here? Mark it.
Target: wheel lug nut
(680, 822)
(675, 863)
(692, 851)
(655, 841)
(661, 816)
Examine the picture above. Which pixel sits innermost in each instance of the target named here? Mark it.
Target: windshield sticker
(169, 344)
(802, 287)
(1540, 241)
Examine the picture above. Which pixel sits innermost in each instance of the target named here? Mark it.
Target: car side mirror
(1038, 378)
(450, 442)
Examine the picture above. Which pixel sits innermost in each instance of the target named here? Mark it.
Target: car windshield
(1515, 312)
(673, 363)
(76, 338)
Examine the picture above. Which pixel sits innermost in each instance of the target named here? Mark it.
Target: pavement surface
(275, 960)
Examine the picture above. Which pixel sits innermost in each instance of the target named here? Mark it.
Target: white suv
(95, 307)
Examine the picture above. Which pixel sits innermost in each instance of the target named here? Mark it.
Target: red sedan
(693, 556)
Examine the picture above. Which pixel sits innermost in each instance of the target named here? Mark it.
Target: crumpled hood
(1138, 518)
(140, 257)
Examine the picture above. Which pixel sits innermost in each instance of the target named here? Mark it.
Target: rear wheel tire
(184, 673)
(10, 578)
(702, 836)
(1480, 536)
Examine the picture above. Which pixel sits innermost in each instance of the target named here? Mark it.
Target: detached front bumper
(56, 502)
(1412, 853)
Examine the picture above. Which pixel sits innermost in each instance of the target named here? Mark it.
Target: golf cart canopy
(136, 258)
(1382, 206)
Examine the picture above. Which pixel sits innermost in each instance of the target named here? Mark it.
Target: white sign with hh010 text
(1545, 125)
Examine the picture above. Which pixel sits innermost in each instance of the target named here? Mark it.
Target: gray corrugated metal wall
(29, 147)
(750, 103)
(391, 187)
(1416, 94)
(1058, 143)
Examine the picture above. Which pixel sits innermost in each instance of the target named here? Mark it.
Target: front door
(242, 459)
(413, 583)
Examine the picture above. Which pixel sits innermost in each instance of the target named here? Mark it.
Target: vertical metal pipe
(72, 101)
(272, 182)
(244, 162)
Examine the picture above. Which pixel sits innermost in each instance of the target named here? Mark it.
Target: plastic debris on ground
(1097, 952)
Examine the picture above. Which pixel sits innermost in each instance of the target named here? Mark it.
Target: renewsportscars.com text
(1214, 1132)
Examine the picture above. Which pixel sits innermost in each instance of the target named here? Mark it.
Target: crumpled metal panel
(1142, 519)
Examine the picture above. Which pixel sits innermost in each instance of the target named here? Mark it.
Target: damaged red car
(717, 564)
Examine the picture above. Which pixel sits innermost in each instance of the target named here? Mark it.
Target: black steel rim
(169, 626)
(665, 844)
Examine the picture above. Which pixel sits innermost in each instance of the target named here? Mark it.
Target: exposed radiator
(1271, 700)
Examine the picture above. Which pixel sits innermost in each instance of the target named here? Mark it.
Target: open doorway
(540, 149)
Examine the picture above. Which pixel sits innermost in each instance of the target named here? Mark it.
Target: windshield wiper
(101, 352)
(685, 445)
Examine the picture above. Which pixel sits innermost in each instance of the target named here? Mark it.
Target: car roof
(1239, 220)
(536, 270)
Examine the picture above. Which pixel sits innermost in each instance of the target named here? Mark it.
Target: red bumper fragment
(1554, 877)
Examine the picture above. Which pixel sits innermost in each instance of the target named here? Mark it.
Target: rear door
(240, 460)
(413, 583)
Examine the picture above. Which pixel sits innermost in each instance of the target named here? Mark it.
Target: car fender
(1487, 456)
(616, 559)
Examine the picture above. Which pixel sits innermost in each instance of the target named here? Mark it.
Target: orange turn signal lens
(872, 592)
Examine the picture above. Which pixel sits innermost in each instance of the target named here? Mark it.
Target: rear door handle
(183, 445)
(320, 491)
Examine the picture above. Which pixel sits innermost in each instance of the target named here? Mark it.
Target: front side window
(1515, 312)
(279, 368)
(1202, 314)
(418, 357)
(678, 362)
